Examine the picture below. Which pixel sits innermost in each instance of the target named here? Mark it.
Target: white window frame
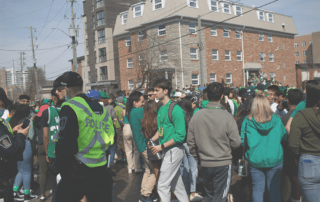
(270, 38)
(296, 54)
(304, 53)
(141, 35)
(224, 8)
(271, 57)
(259, 15)
(213, 77)
(261, 37)
(128, 41)
(230, 78)
(236, 11)
(215, 55)
(193, 2)
(129, 63)
(239, 56)
(270, 19)
(304, 43)
(297, 62)
(214, 30)
(262, 56)
(130, 86)
(194, 54)
(124, 18)
(193, 79)
(215, 6)
(163, 55)
(138, 83)
(161, 30)
(192, 30)
(141, 59)
(238, 34)
(227, 54)
(161, 2)
(100, 3)
(226, 30)
(296, 44)
(137, 12)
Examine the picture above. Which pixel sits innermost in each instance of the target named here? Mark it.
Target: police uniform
(11, 150)
(85, 133)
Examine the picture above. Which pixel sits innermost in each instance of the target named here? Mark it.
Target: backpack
(172, 105)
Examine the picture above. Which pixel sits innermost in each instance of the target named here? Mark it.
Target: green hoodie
(264, 142)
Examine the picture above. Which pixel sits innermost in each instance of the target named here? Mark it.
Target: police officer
(11, 149)
(85, 134)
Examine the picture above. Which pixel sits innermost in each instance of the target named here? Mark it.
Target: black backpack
(170, 110)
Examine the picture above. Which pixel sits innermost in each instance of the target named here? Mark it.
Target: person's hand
(24, 131)
(156, 149)
(47, 159)
(16, 128)
(226, 99)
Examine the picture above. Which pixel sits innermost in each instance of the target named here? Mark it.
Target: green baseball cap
(103, 94)
(46, 101)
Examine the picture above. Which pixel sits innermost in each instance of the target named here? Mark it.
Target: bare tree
(31, 84)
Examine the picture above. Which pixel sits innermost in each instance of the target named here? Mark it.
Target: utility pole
(75, 68)
(34, 63)
(21, 72)
(200, 50)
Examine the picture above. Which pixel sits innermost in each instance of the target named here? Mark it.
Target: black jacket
(11, 151)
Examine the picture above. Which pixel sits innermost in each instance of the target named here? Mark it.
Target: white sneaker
(196, 197)
(138, 170)
(129, 171)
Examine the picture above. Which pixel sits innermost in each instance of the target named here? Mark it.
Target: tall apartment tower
(101, 51)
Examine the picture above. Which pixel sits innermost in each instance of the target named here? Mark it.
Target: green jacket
(264, 149)
(135, 118)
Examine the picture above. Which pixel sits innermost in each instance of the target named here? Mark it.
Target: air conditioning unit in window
(283, 25)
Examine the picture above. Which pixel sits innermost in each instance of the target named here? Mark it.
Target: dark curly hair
(149, 121)
(23, 111)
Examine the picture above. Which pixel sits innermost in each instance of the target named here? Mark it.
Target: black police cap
(71, 79)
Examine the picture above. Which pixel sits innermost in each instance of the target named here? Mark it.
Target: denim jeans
(24, 168)
(112, 150)
(273, 182)
(309, 177)
(188, 170)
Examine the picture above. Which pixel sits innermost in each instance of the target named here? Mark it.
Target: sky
(53, 47)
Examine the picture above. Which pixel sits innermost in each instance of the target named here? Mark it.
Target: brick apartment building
(101, 66)
(253, 41)
(307, 57)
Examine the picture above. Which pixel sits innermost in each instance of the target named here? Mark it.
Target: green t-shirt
(53, 123)
(175, 131)
(204, 103)
(300, 106)
(135, 117)
(125, 120)
(119, 110)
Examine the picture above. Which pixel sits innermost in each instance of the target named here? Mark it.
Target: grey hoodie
(212, 135)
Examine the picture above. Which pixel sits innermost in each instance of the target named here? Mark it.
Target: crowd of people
(267, 134)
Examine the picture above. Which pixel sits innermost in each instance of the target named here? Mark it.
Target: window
(141, 35)
(304, 43)
(87, 59)
(193, 54)
(271, 57)
(226, 8)
(86, 28)
(138, 83)
(142, 59)
(227, 55)
(228, 78)
(262, 56)
(94, 22)
(297, 54)
(238, 34)
(130, 85)
(214, 31)
(261, 36)
(137, 11)
(100, 3)
(87, 44)
(296, 44)
(89, 76)
(270, 38)
(195, 79)
(129, 63)
(162, 30)
(283, 65)
(192, 28)
(261, 15)
(193, 3)
(101, 37)
(100, 18)
(304, 62)
(213, 77)
(95, 56)
(226, 32)
(297, 62)
(94, 39)
(163, 55)
(282, 46)
(124, 18)
(239, 56)
(103, 73)
(214, 6)
(284, 77)
(304, 53)
(102, 55)
(128, 41)
(215, 54)
(158, 4)
(92, 3)
(238, 10)
(84, 75)
(270, 17)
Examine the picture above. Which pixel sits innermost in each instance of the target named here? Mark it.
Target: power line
(37, 49)
(47, 18)
(55, 58)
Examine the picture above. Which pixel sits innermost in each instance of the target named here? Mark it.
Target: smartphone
(26, 123)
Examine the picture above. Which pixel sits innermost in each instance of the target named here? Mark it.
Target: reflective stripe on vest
(92, 128)
(5, 122)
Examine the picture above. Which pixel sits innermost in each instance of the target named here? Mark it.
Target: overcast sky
(16, 16)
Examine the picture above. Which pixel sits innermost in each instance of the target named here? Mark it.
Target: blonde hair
(260, 110)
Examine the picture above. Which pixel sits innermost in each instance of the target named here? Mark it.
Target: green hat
(46, 101)
(282, 88)
(104, 95)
